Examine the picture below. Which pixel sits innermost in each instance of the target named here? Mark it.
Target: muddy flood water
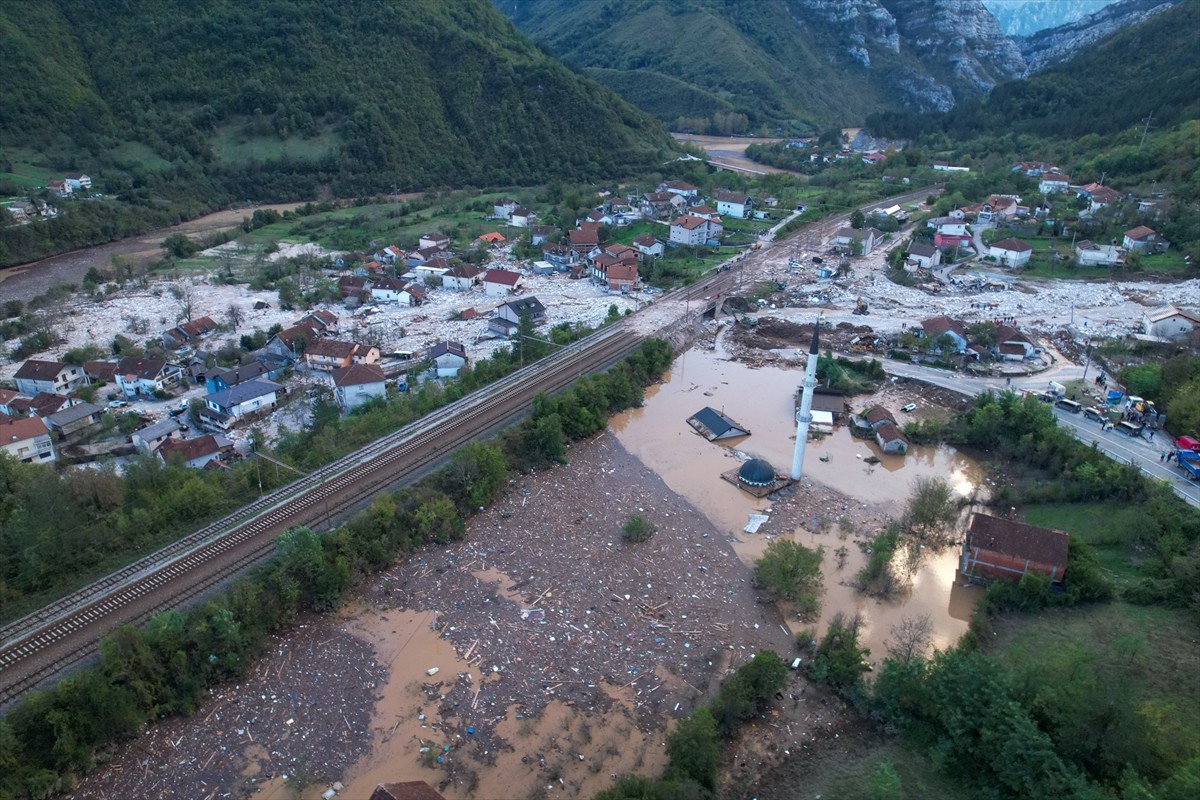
(761, 400)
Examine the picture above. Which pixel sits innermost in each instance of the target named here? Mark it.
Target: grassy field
(27, 176)
(1110, 528)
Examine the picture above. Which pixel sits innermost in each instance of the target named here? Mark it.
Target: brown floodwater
(762, 400)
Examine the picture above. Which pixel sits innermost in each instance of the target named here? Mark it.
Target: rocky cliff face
(1027, 17)
(959, 47)
(1058, 44)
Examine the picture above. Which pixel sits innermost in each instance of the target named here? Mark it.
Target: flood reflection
(762, 399)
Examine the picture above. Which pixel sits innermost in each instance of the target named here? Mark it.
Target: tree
(185, 295)
(179, 246)
(694, 750)
(931, 507)
(793, 572)
(234, 315)
(840, 661)
(858, 220)
(910, 638)
(1183, 410)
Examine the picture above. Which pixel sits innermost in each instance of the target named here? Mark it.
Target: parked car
(909, 407)
(117, 403)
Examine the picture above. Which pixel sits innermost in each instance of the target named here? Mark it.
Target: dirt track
(30, 280)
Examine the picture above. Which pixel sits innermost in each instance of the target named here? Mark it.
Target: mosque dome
(757, 472)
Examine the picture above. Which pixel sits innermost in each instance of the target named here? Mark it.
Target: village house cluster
(958, 232)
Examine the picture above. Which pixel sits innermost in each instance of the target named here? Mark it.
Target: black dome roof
(757, 472)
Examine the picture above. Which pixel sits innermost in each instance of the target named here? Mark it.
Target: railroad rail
(56, 638)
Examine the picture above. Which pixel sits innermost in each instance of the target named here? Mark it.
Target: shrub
(637, 529)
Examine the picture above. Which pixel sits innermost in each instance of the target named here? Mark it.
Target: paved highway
(1141, 452)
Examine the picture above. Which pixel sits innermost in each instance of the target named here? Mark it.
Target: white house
(867, 239)
(1051, 182)
(1090, 254)
(223, 408)
(53, 377)
(448, 358)
(27, 439)
(500, 282)
(648, 245)
(439, 241)
(521, 218)
(508, 315)
(681, 188)
(1167, 322)
(731, 204)
(690, 231)
(357, 384)
(146, 375)
(501, 209)
(387, 290)
(1011, 252)
(924, 256)
(461, 277)
(1140, 238)
(78, 181)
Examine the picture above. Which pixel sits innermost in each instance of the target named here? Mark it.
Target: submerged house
(713, 425)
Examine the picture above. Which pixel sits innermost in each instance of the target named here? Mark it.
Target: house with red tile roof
(1003, 549)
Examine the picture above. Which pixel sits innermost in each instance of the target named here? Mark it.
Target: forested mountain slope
(269, 99)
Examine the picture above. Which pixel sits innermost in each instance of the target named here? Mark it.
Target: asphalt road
(1141, 452)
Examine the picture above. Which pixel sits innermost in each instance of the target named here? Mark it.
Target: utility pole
(1145, 129)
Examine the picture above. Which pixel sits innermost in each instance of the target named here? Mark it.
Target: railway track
(51, 641)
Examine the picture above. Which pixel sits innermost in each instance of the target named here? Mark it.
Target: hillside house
(226, 408)
(507, 317)
(1102, 197)
(491, 239)
(877, 416)
(867, 238)
(1141, 239)
(690, 231)
(327, 354)
(682, 188)
(1090, 254)
(196, 453)
(440, 241)
(462, 277)
(935, 328)
(145, 376)
(1003, 549)
(922, 256)
(49, 376)
(27, 440)
(540, 234)
(1053, 182)
(562, 256)
(58, 188)
(501, 209)
(430, 273)
(585, 239)
(78, 181)
(7, 396)
(1169, 322)
(1011, 252)
(358, 384)
(944, 166)
(151, 437)
(448, 358)
(500, 282)
(734, 204)
(522, 218)
(997, 208)
(100, 371)
(648, 245)
(1033, 168)
(661, 205)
